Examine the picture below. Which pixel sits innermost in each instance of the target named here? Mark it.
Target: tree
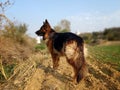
(57, 28)
(63, 26)
(112, 33)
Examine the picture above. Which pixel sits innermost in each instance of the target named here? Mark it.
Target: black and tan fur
(65, 44)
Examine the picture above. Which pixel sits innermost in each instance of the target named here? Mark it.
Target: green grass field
(107, 54)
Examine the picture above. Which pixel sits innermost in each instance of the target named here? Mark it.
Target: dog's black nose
(36, 32)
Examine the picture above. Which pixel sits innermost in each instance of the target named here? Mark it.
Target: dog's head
(44, 30)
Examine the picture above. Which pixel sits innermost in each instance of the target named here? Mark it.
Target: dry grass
(12, 54)
(22, 73)
(11, 50)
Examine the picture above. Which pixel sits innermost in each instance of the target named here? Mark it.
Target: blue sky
(84, 15)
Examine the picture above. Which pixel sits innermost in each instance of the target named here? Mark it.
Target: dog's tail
(83, 68)
(82, 72)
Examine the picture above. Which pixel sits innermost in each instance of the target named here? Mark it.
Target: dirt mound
(36, 73)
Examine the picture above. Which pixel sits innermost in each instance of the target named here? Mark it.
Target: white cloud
(89, 22)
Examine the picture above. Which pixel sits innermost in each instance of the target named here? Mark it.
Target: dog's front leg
(55, 59)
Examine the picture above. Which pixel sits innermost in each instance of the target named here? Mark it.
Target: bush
(112, 34)
(40, 47)
(16, 32)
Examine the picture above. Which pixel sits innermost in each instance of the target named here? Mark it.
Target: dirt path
(39, 75)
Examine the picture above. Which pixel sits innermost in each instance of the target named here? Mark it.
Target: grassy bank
(107, 53)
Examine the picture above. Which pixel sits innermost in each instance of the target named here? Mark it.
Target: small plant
(2, 74)
(5, 70)
(40, 47)
(9, 69)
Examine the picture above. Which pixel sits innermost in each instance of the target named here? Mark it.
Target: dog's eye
(44, 30)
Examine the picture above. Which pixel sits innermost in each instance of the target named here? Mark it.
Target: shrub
(16, 32)
(40, 47)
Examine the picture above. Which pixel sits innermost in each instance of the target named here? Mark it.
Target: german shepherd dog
(65, 44)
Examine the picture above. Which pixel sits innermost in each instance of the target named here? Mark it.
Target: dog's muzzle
(37, 32)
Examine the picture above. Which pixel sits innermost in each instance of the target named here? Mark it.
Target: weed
(8, 70)
(40, 47)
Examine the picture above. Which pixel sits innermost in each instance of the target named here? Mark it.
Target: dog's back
(59, 40)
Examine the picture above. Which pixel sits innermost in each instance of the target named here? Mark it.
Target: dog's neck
(51, 35)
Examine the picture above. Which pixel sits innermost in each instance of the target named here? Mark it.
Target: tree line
(108, 34)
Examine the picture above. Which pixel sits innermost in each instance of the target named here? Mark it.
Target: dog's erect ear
(47, 23)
